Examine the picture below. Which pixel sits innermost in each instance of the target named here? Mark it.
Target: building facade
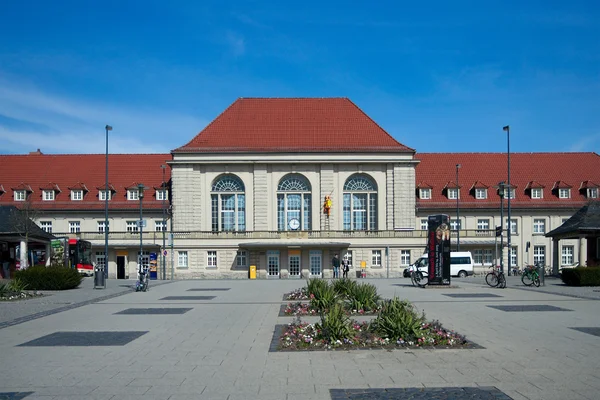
(285, 184)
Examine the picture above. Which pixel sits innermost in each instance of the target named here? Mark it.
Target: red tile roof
(546, 170)
(293, 125)
(82, 171)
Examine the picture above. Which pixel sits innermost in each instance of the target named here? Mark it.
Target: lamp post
(141, 223)
(457, 210)
(501, 186)
(106, 128)
(507, 130)
(164, 223)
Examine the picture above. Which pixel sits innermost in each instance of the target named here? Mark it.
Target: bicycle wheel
(501, 281)
(536, 281)
(421, 279)
(527, 279)
(492, 279)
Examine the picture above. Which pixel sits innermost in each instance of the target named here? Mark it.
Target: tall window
(404, 258)
(293, 203)
(567, 255)
(182, 259)
(74, 226)
(211, 261)
(46, 226)
(488, 257)
(376, 258)
(539, 226)
(348, 256)
(100, 259)
(424, 224)
(101, 226)
(241, 259)
(478, 256)
(539, 255)
(513, 226)
(228, 203)
(360, 204)
(512, 256)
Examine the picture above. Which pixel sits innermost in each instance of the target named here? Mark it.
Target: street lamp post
(164, 223)
(457, 210)
(106, 191)
(141, 224)
(501, 187)
(507, 130)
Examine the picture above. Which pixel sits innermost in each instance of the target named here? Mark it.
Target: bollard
(99, 279)
(542, 272)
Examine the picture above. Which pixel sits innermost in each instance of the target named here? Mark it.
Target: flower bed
(304, 336)
(298, 294)
(300, 309)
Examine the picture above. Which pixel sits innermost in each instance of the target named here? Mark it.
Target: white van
(461, 264)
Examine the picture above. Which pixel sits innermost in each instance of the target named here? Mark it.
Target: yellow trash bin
(253, 272)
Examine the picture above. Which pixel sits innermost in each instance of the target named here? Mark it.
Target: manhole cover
(154, 311)
(86, 339)
(527, 308)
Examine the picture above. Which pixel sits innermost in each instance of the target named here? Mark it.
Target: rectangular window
(144, 258)
(20, 195)
(182, 259)
(133, 194)
(100, 259)
(539, 255)
(101, 226)
(211, 259)
(513, 257)
(539, 226)
(564, 193)
(455, 225)
(537, 193)
(425, 194)
(423, 224)
(162, 195)
(76, 195)
(509, 193)
(315, 261)
(483, 224)
(404, 258)
(478, 257)
(160, 226)
(488, 257)
(348, 256)
(74, 227)
(46, 226)
(48, 195)
(513, 226)
(132, 226)
(376, 258)
(567, 255)
(241, 259)
(592, 193)
(453, 193)
(481, 194)
(103, 194)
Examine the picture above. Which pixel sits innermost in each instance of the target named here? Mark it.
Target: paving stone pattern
(442, 393)
(154, 311)
(85, 339)
(14, 395)
(471, 295)
(188, 298)
(590, 330)
(528, 308)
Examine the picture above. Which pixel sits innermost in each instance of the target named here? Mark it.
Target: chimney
(36, 153)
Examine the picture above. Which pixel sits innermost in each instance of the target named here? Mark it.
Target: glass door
(316, 268)
(273, 264)
(294, 263)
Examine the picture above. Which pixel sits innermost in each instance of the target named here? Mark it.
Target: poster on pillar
(153, 266)
(438, 249)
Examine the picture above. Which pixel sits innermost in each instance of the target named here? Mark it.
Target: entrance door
(273, 264)
(120, 267)
(316, 268)
(294, 263)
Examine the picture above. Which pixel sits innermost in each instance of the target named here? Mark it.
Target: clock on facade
(294, 224)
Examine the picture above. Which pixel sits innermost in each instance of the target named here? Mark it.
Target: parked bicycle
(142, 284)
(531, 276)
(419, 277)
(496, 278)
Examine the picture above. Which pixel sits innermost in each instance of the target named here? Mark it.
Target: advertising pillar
(438, 249)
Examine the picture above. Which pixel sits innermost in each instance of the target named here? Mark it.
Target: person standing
(345, 267)
(336, 266)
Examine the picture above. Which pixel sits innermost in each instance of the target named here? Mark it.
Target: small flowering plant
(298, 294)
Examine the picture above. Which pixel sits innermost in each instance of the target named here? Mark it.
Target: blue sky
(439, 76)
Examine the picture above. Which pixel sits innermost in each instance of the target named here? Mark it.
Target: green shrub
(344, 286)
(581, 276)
(323, 297)
(49, 278)
(364, 297)
(335, 324)
(398, 319)
(315, 284)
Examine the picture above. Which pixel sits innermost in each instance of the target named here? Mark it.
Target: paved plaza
(211, 339)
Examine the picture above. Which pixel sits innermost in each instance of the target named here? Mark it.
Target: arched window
(293, 203)
(228, 203)
(360, 204)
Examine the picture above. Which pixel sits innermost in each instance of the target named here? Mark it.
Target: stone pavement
(214, 344)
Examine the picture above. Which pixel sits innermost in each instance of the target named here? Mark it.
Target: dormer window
(564, 193)
(425, 193)
(453, 193)
(480, 193)
(48, 195)
(592, 193)
(104, 195)
(20, 195)
(133, 194)
(509, 193)
(162, 195)
(77, 195)
(537, 193)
